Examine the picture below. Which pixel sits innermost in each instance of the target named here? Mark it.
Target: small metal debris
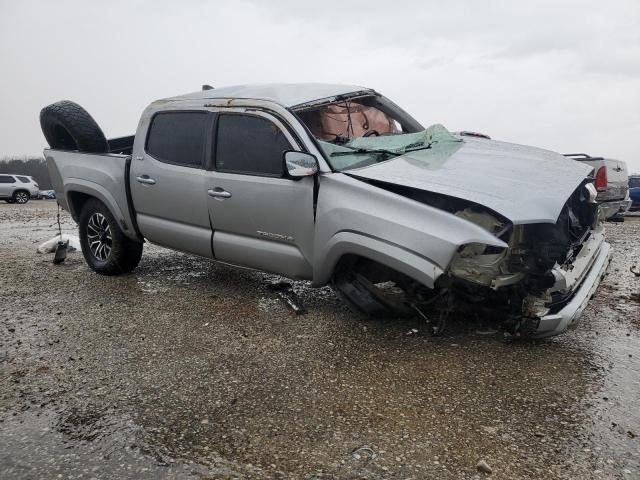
(285, 291)
(488, 331)
(364, 452)
(484, 467)
(635, 271)
(292, 301)
(61, 252)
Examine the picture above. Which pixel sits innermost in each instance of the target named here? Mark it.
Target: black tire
(21, 197)
(68, 126)
(124, 254)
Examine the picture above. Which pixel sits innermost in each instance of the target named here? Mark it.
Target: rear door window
(250, 144)
(7, 179)
(178, 138)
(24, 179)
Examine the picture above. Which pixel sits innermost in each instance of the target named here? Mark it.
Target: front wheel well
(371, 268)
(377, 290)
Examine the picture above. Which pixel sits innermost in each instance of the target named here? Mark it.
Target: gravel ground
(186, 368)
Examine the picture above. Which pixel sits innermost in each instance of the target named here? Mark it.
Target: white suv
(17, 188)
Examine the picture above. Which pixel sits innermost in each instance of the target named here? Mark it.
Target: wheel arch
(345, 244)
(78, 193)
(20, 189)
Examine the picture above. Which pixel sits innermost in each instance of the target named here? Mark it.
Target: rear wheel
(21, 197)
(105, 247)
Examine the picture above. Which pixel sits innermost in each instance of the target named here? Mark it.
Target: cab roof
(286, 94)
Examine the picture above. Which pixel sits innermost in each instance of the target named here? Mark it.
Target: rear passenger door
(261, 218)
(168, 181)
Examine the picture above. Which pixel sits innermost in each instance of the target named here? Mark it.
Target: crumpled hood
(524, 184)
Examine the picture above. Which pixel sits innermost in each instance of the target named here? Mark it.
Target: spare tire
(68, 126)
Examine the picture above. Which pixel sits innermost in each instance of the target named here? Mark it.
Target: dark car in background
(634, 191)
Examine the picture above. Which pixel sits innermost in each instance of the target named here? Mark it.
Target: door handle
(219, 193)
(146, 180)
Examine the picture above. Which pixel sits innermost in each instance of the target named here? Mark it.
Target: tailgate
(618, 180)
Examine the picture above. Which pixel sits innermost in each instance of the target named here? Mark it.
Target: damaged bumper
(614, 208)
(556, 323)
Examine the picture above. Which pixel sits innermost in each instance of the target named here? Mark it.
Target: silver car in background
(611, 182)
(18, 188)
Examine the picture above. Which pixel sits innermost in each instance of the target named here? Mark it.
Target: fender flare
(394, 256)
(78, 185)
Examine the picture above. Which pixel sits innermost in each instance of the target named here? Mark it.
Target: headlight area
(483, 265)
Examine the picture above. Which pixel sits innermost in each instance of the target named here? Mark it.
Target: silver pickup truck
(338, 185)
(611, 182)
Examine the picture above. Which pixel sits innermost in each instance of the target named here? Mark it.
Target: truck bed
(104, 176)
(617, 177)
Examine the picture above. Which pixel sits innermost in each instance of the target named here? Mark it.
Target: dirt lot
(189, 368)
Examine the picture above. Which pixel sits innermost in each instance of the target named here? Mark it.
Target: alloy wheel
(99, 236)
(22, 197)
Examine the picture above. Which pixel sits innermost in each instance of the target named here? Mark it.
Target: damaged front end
(534, 273)
(528, 284)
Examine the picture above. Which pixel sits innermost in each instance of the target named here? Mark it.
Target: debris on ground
(489, 331)
(484, 467)
(50, 245)
(61, 252)
(363, 452)
(284, 290)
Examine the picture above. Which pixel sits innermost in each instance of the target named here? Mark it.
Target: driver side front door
(261, 219)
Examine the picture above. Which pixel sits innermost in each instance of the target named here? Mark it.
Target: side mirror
(300, 164)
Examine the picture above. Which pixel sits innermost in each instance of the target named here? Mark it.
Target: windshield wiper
(359, 150)
(381, 150)
(424, 147)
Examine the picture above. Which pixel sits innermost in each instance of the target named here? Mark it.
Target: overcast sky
(563, 75)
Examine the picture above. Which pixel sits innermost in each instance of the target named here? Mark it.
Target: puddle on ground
(84, 443)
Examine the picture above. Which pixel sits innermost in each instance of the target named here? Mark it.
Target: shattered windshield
(359, 131)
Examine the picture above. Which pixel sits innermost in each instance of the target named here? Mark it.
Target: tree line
(34, 167)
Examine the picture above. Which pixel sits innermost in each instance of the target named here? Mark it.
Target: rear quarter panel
(98, 175)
